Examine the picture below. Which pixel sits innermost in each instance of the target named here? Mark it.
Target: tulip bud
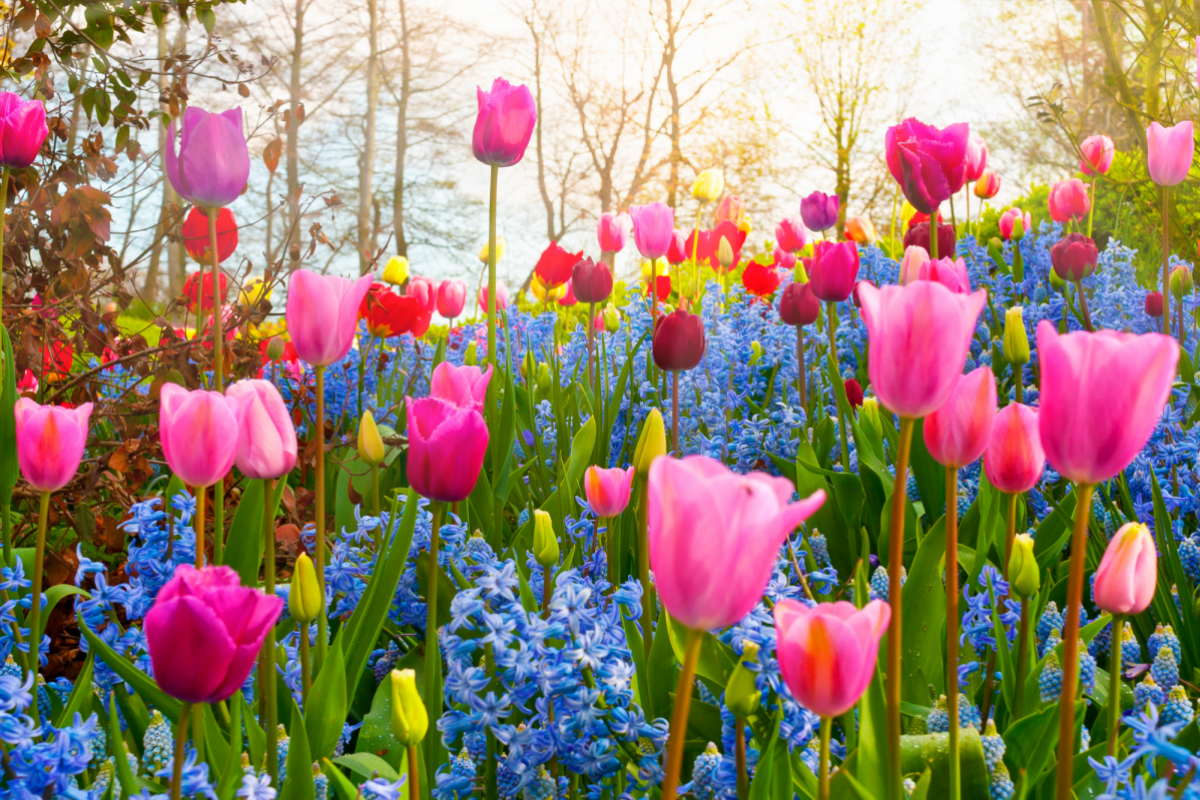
(275, 348)
(1181, 280)
(304, 599)
(708, 185)
(612, 318)
(1016, 339)
(741, 694)
(800, 273)
(545, 543)
(1018, 229)
(543, 377)
(370, 443)
(470, 358)
(1153, 304)
(756, 352)
(1056, 281)
(395, 271)
(869, 419)
(651, 444)
(1023, 574)
(725, 253)
(410, 720)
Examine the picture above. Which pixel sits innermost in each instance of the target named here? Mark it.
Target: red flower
(663, 288)
(710, 244)
(760, 280)
(195, 235)
(198, 291)
(388, 314)
(57, 359)
(678, 341)
(555, 264)
(854, 393)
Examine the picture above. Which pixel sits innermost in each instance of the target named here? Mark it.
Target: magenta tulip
(819, 211)
(267, 438)
(462, 387)
(200, 432)
(213, 162)
(503, 124)
(1014, 459)
(834, 270)
(791, 235)
(827, 653)
(451, 297)
(1169, 152)
(446, 446)
(920, 336)
(950, 272)
(977, 156)
(1074, 257)
(929, 163)
(714, 536)
(1008, 222)
(798, 305)
(1097, 155)
(22, 130)
(50, 442)
(653, 229)
(322, 314)
(957, 433)
(612, 231)
(1068, 200)
(205, 632)
(1101, 396)
(607, 490)
(1128, 572)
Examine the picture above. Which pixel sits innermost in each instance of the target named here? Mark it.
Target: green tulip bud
(1023, 574)
(799, 274)
(612, 318)
(1016, 338)
(543, 377)
(1181, 280)
(1018, 231)
(410, 721)
(869, 419)
(370, 443)
(651, 444)
(741, 694)
(725, 253)
(470, 358)
(756, 352)
(304, 599)
(1056, 282)
(275, 348)
(545, 543)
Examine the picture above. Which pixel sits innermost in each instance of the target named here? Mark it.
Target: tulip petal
(189, 649)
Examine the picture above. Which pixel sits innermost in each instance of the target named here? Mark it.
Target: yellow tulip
(483, 251)
(395, 271)
(708, 185)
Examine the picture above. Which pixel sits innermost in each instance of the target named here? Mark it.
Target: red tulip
(918, 236)
(1008, 222)
(1153, 305)
(199, 293)
(1074, 257)
(607, 490)
(592, 281)
(195, 235)
(613, 230)
(854, 393)
(662, 287)
(760, 280)
(678, 252)
(554, 265)
(678, 341)
(798, 305)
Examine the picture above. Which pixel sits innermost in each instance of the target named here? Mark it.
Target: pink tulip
(1128, 572)
(950, 272)
(678, 252)
(1169, 152)
(205, 632)
(977, 156)
(50, 442)
(446, 446)
(213, 163)
(1008, 221)
(714, 536)
(22, 130)
(1068, 200)
(200, 432)
(612, 231)
(915, 260)
(267, 440)
(501, 297)
(451, 297)
(1014, 459)
(322, 313)
(425, 291)
(653, 229)
(463, 387)
(827, 654)
(929, 163)
(791, 235)
(920, 335)
(1097, 152)
(607, 490)
(834, 270)
(503, 124)
(958, 432)
(1101, 396)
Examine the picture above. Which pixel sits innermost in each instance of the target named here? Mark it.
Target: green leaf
(929, 475)
(925, 614)
(80, 693)
(231, 775)
(246, 542)
(663, 669)
(871, 767)
(343, 787)
(368, 765)
(256, 737)
(716, 660)
(763, 782)
(299, 782)
(327, 703)
(142, 683)
(116, 744)
(931, 751)
(1053, 533)
(8, 424)
(921, 792)
(53, 595)
(844, 786)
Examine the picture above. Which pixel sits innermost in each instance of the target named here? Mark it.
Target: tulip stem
(933, 235)
(305, 662)
(319, 433)
(831, 324)
(1010, 532)
(591, 330)
(675, 413)
(491, 295)
(1070, 642)
(218, 339)
(35, 605)
(743, 780)
(1166, 253)
(198, 524)
(219, 521)
(185, 710)
(801, 378)
(895, 564)
(644, 566)
(1114, 683)
(679, 714)
(1092, 207)
(823, 784)
(266, 663)
(433, 694)
(1083, 306)
(377, 502)
(414, 792)
(3, 206)
(1019, 382)
(1022, 659)
(952, 625)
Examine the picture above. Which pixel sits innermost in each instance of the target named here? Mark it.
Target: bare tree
(366, 169)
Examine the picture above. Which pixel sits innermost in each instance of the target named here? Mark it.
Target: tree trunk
(293, 132)
(366, 173)
(673, 92)
(402, 134)
(547, 201)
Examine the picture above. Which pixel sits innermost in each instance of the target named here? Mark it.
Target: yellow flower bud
(869, 419)
(395, 271)
(651, 444)
(741, 694)
(304, 599)
(370, 443)
(471, 356)
(708, 185)
(483, 251)
(1015, 343)
(725, 253)
(410, 720)
(756, 352)
(545, 543)
(1023, 574)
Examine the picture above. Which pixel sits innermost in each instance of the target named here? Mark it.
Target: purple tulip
(819, 211)
(929, 163)
(22, 130)
(213, 163)
(653, 229)
(446, 446)
(504, 124)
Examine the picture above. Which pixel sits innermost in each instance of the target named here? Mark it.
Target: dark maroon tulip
(678, 341)
(919, 235)
(592, 281)
(1074, 257)
(834, 270)
(819, 211)
(1154, 304)
(798, 305)
(854, 393)
(929, 163)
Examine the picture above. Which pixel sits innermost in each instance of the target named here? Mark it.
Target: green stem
(218, 337)
(35, 597)
(266, 663)
(219, 522)
(1070, 643)
(1022, 659)
(823, 785)
(801, 379)
(933, 232)
(180, 741)
(644, 566)
(895, 564)
(323, 617)
(491, 296)
(375, 493)
(679, 715)
(831, 325)
(305, 663)
(1114, 683)
(198, 524)
(1010, 532)
(1019, 382)
(1092, 207)
(433, 693)
(952, 626)
(197, 713)
(675, 414)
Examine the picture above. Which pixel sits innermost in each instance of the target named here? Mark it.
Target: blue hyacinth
(1148, 691)
(1164, 636)
(1178, 707)
(1165, 669)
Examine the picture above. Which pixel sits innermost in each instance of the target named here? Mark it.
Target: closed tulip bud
(869, 419)
(1097, 152)
(1056, 281)
(1153, 305)
(500, 248)
(798, 305)
(22, 130)
(708, 185)
(1023, 574)
(612, 318)
(471, 357)
(304, 599)
(742, 696)
(267, 438)
(275, 348)
(679, 341)
(50, 442)
(988, 185)
(957, 433)
(756, 352)
(1127, 574)
(725, 253)
(395, 271)
(1181, 280)
(370, 443)
(861, 230)
(1014, 223)
(410, 720)
(819, 211)
(543, 377)
(1016, 338)
(651, 444)
(545, 543)
(1074, 257)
